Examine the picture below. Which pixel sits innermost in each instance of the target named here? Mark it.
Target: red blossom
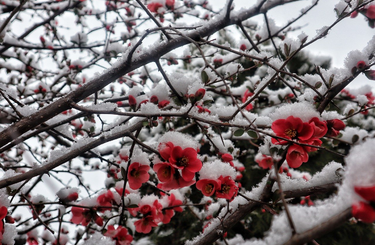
(320, 128)
(163, 103)
(120, 235)
(200, 94)
(334, 126)
(292, 128)
(3, 214)
(243, 47)
(176, 182)
(170, 4)
(207, 186)
(137, 175)
(105, 199)
(132, 100)
(84, 216)
(164, 171)
(154, 99)
(202, 110)
(366, 192)
(165, 150)
(370, 12)
(153, 7)
(227, 188)
(361, 65)
(226, 157)
(296, 155)
(186, 160)
(266, 162)
(364, 212)
(145, 224)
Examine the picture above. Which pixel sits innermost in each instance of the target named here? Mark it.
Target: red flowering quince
(246, 95)
(84, 216)
(334, 126)
(291, 128)
(105, 199)
(320, 127)
(370, 12)
(165, 150)
(227, 188)
(164, 171)
(137, 175)
(173, 205)
(296, 155)
(152, 215)
(120, 235)
(363, 210)
(3, 213)
(186, 160)
(265, 162)
(153, 7)
(207, 186)
(175, 182)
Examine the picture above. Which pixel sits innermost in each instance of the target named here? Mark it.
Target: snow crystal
(304, 110)
(98, 238)
(179, 139)
(329, 174)
(213, 170)
(9, 234)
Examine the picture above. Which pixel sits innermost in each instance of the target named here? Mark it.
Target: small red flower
(170, 4)
(186, 160)
(163, 103)
(164, 171)
(105, 199)
(291, 128)
(207, 186)
(132, 101)
(154, 99)
(120, 235)
(227, 188)
(145, 224)
(175, 183)
(243, 47)
(334, 126)
(83, 216)
(370, 12)
(153, 7)
(227, 157)
(266, 162)
(296, 155)
(200, 94)
(366, 192)
(361, 65)
(320, 128)
(137, 175)
(364, 212)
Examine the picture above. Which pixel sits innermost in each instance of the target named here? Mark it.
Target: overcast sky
(350, 34)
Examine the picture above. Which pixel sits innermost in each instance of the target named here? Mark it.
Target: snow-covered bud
(154, 99)
(361, 65)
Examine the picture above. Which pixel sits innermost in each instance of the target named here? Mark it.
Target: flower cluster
(223, 187)
(120, 235)
(294, 129)
(180, 166)
(155, 210)
(365, 210)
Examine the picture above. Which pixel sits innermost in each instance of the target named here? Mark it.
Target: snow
(179, 139)
(9, 235)
(213, 170)
(98, 238)
(304, 110)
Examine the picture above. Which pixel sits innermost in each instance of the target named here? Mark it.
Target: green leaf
(318, 85)
(204, 76)
(238, 132)
(252, 134)
(355, 138)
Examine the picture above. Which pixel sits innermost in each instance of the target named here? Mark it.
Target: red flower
(246, 95)
(291, 128)
(154, 99)
(186, 160)
(120, 235)
(105, 199)
(266, 162)
(200, 93)
(227, 157)
(296, 155)
(227, 188)
(243, 47)
(168, 212)
(320, 128)
(165, 150)
(3, 213)
(137, 175)
(83, 216)
(164, 171)
(153, 7)
(145, 224)
(207, 186)
(364, 212)
(176, 182)
(170, 4)
(334, 126)
(366, 192)
(370, 12)
(163, 103)
(132, 101)
(361, 64)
